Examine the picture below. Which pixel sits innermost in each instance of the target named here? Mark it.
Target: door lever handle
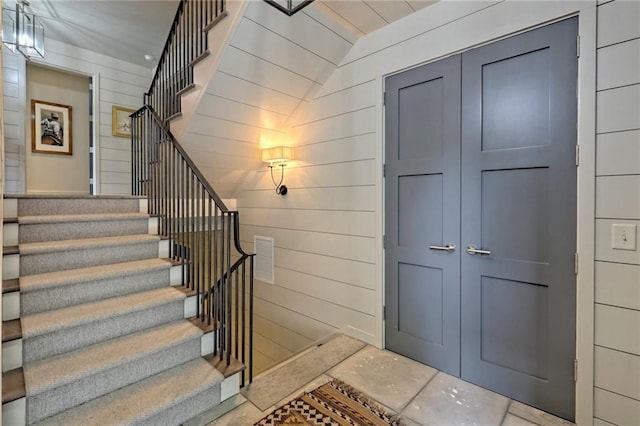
(449, 248)
(471, 249)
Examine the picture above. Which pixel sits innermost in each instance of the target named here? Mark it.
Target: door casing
(533, 16)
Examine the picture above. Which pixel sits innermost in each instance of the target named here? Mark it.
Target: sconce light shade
(280, 155)
(277, 154)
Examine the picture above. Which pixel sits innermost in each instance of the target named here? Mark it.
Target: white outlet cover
(623, 237)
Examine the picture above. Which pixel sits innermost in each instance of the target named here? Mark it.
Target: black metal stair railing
(204, 235)
(186, 43)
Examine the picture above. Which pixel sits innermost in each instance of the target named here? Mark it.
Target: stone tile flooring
(420, 394)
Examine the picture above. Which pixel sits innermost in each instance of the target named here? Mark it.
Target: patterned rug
(334, 403)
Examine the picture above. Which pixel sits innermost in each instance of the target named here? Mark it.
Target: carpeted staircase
(95, 321)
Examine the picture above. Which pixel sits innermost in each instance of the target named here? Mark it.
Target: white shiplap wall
(272, 65)
(117, 83)
(617, 296)
(331, 220)
(15, 98)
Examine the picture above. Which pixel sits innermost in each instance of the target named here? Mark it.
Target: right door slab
(518, 216)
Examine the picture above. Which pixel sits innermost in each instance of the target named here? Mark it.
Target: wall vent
(263, 247)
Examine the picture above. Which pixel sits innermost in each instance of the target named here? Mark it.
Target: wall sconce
(278, 154)
(22, 31)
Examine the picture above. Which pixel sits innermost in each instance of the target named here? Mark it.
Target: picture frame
(51, 128)
(121, 122)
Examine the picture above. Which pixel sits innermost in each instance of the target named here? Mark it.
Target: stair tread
(186, 89)
(151, 396)
(200, 58)
(11, 330)
(7, 250)
(221, 365)
(85, 243)
(66, 196)
(10, 285)
(51, 373)
(59, 319)
(13, 385)
(74, 276)
(90, 217)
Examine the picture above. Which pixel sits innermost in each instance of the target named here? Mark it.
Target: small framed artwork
(121, 122)
(51, 128)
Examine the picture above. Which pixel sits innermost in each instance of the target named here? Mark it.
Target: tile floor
(420, 394)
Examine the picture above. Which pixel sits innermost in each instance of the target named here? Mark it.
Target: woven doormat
(334, 403)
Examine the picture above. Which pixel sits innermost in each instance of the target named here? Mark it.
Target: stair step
(186, 89)
(30, 205)
(37, 258)
(55, 332)
(216, 21)
(11, 285)
(174, 116)
(89, 217)
(73, 226)
(221, 364)
(171, 397)
(59, 383)
(13, 385)
(200, 57)
(60, 289)
(8, 250)
(11, 330)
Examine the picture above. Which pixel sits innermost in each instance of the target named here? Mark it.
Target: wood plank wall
(328, 229)
(617, 309)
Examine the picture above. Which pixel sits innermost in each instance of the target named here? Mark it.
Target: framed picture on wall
(51, 128)
(121, 122)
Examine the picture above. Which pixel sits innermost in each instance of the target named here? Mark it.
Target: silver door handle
(449, 248)
(471, 249)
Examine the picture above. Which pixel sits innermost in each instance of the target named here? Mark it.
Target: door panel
(420, 296)
(423, 210)
(508, 122)
(420, 120)
(517, 197)
(423, 220)
(519, 203)
(522, 345)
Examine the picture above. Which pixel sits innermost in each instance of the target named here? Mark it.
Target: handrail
(202, 230)
(165, 49)
(186, 43)
(187, 158)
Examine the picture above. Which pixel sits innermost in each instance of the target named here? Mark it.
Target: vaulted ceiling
(364, 16)
(129, 29)
(126, 30)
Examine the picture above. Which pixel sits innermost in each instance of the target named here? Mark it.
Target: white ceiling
(129, 29)
(364, 16)
(123, 29)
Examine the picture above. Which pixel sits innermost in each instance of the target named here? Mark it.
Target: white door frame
(95, 125)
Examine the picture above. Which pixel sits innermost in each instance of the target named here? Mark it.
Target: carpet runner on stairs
(104, 334)
(54, 290)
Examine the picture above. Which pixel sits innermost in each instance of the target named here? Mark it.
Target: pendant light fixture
(22, 31)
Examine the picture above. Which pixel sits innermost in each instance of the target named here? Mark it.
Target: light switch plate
(623, 237)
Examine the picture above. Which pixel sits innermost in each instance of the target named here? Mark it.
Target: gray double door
(480, 221)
